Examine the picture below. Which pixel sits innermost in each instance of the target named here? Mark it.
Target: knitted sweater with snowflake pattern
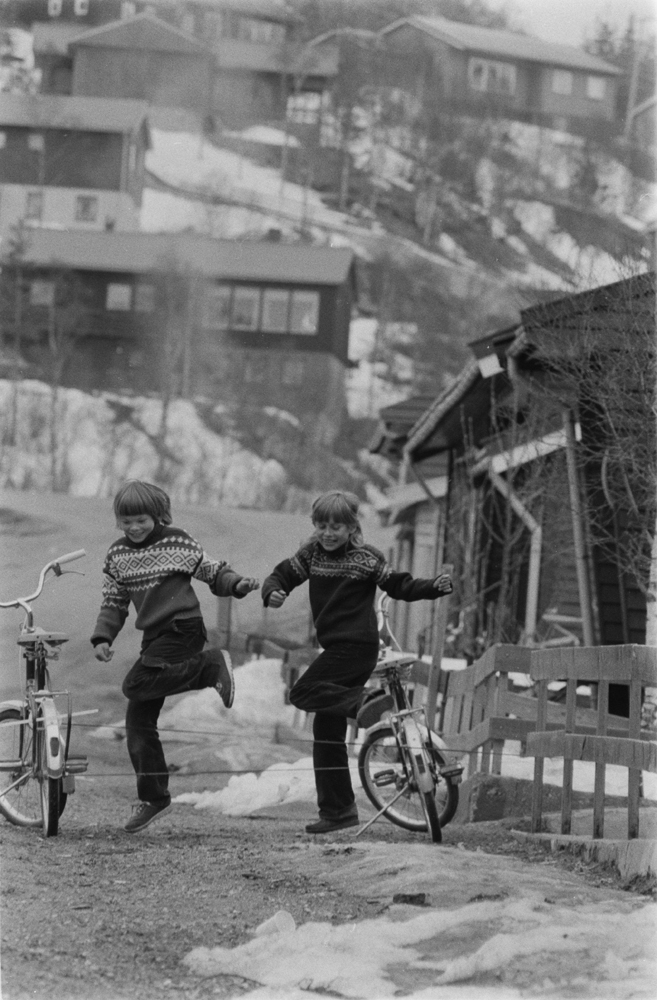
(155, 575)
(342, 589)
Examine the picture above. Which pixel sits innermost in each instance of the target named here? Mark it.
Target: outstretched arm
(287, 575)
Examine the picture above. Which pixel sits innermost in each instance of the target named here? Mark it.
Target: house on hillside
(235, 60)
(471, 69)
(71, 162)
(249, 323)
(525, 508)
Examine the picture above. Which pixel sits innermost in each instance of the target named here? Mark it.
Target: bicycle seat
(39, 635)
(391, 658)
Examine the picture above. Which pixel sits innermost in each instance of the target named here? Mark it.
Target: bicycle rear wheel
(20, 799)
(382, 775)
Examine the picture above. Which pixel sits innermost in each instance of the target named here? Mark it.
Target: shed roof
(77, 114)
(505, 44)
(141, 253)
(141, 32)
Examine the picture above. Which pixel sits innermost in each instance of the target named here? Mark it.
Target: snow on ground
(93, 453)
(194, 164)
(358, 960)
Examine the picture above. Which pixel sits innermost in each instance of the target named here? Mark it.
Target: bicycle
(37, 772)
(403, 767)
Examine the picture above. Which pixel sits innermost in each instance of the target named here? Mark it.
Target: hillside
(520, 212)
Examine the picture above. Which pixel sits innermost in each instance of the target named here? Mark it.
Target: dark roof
(505, 44)
(134, 253)
(88, 114)
(615, 311)
(395, 422)
(141, 32)
(448, 400)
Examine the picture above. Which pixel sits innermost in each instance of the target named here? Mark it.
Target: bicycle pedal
(385, 778)
(76, 765)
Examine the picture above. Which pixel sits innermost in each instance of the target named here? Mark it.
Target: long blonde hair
(341, 507)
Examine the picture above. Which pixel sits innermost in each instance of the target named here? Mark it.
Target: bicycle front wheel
(49, 788)
(20, 798)
(382, 775)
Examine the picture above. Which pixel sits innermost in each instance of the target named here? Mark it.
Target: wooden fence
(480, 712)
(634, 666)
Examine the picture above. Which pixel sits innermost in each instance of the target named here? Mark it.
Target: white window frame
(272, 300)
(54, 8)
(244, 292)
(118, 297)
(81, 8)
(562, 82)
(596, 88)
(213, 296)
(128, 9)
(84, 202)
(311, 299)
(42, 292)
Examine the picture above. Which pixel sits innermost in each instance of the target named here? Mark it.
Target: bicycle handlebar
(70, 557)
(54, 564)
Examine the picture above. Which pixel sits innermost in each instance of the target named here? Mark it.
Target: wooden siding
(70, 159)
(168, 79)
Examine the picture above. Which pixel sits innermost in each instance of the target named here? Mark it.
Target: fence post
(438, 648)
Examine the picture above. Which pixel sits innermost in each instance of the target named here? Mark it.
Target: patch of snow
(93, 453)
(275, 413)
(267, 135)
(359, 960)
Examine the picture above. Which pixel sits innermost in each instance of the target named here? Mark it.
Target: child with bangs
(152, 566)
(343, 573)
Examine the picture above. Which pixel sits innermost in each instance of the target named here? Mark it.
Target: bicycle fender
(19, 705)
(54, 749)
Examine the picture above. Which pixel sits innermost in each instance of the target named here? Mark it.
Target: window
(54, 8)
(261, 32)
(128, 9)
(42, 293)
(293, 371)
(119, 297)
(216, 307)
(595, 88)
(492, 77)
(304, 314)
(304, 108)
(34, 205)
(275, 309)
(86, 208)
(81, 8)
(246, 308)
(562, 81)
(144, 298)
(35, 142)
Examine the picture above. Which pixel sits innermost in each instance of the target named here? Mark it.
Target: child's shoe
(330, 825)
(144, 813)
(226, 683)
(375, 703)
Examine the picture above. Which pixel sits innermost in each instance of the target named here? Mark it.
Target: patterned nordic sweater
(342, 589)
(156, 576)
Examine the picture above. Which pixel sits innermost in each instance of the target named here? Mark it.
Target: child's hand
(444, 583)
(277, 599)
(103, 652)
(246, 585)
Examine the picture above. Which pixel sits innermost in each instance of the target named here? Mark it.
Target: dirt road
(97, 914)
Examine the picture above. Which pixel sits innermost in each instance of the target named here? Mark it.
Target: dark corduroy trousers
(332, 687)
